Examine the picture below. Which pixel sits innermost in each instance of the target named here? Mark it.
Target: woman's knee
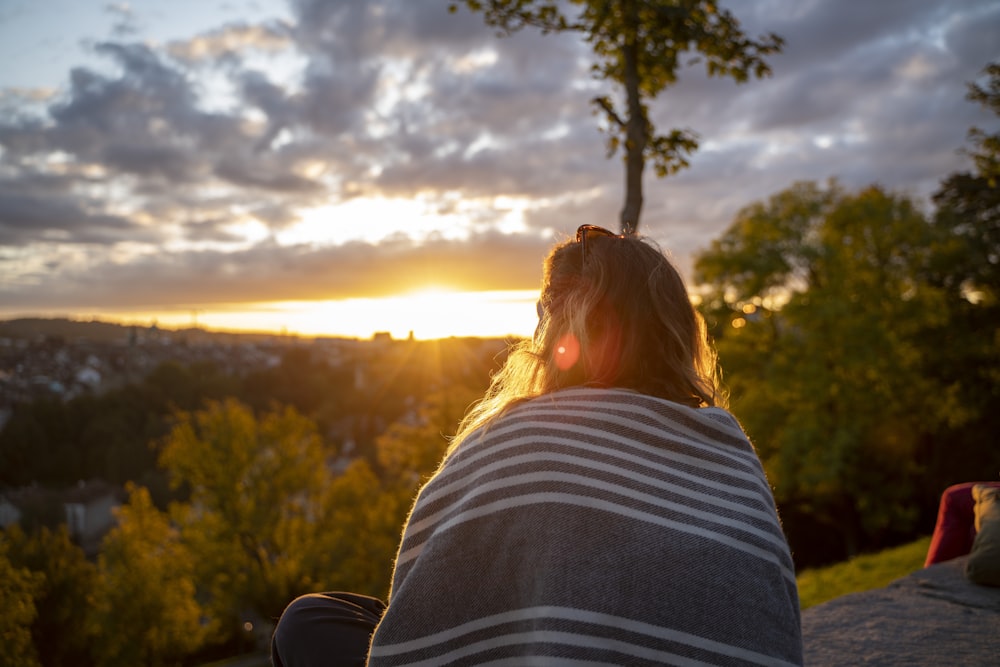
(324, 629)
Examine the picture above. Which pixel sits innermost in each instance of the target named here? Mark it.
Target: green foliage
(966, 267)
(145, 611)
(301, 380)
(969, 208)
(256, 489)
(107, 436)
(861, 573)
(270, 517)
(18, 587)
(640, 45)
(410, 450)
(823, 309)
(67, 583)
(986, 147)
(264, 508)
(352, 546)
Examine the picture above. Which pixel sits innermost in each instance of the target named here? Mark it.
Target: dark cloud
(39, 207)
(25, 218)
(972, 36)
(242, 174)
(335, 102)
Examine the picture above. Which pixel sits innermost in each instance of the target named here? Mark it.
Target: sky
(339, 167)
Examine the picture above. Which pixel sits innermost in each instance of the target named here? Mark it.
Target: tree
(860, 338)
(271, 516)
(252, 482)
(67, 584)
(410, 450)
(986, 147)
(819, 306)
(968, 208)
(639, 45)
(145, 611)
(966, 266)
(56, 443)
(18, 586)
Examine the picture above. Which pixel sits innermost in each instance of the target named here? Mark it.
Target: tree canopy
(66, 585)
(817, 300)
(859, 335)
(18, 587)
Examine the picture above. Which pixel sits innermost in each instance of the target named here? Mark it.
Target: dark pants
(332, 629)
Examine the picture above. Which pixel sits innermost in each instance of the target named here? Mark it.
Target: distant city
(62, 358)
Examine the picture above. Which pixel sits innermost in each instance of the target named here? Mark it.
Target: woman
(599, 505)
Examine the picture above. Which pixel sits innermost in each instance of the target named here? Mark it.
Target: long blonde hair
(619, 317)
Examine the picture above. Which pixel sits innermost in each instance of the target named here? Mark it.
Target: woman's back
(595, 525)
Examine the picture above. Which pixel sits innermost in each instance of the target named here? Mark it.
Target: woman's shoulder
(589, 404)
(622, 398)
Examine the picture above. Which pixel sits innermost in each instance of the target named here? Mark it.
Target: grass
(861, 573)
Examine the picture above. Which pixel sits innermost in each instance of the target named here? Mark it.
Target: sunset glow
(428, 314)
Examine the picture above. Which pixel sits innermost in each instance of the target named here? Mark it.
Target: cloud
(268, 272)
(177, 165)
(125, 24)
(230, 41)
(41, 207)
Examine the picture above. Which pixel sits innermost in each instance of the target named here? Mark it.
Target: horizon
(424, 315)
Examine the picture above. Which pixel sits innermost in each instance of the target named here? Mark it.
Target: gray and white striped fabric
(595, 527)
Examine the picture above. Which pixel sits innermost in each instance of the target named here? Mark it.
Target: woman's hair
(619, 317)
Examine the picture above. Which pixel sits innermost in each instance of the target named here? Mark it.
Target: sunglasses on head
(584, 231)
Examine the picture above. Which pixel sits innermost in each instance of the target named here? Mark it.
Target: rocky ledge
(934, 616)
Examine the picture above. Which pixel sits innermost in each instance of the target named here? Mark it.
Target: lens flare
(567, 352)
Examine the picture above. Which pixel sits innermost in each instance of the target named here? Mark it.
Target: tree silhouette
(639, 46)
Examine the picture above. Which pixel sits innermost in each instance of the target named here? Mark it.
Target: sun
(433, 297)
(439, 312)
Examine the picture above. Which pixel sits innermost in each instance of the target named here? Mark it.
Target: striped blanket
(594, 526)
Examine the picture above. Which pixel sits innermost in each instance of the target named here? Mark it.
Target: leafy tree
(968, 206)
(860, 340)
(640, 45)
(67, 582)
(176, 386)
(145, 611)
(966, 265)
(18, 587)
(56, 443)
(249, 481)
(30, 445)
(268, 516)
(352, 544)
(411, 449)
(986, 147)
(819, 303)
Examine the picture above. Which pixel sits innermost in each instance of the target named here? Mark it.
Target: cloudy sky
(197, 158)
